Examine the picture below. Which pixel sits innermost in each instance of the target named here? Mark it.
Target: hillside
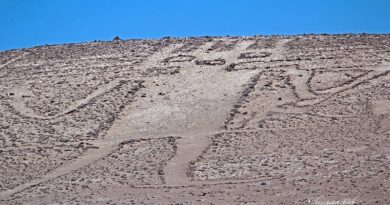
(208, 120)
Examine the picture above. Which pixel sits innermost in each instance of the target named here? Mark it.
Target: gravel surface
(208, 120)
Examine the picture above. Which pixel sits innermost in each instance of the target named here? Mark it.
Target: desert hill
(208, 120)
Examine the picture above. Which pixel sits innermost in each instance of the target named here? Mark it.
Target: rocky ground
(209, 120)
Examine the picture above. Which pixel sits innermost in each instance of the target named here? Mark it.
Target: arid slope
(211, 120)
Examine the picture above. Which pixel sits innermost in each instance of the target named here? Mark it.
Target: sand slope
(213, 120)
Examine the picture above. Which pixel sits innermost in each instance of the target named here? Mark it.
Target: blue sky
(27, 23)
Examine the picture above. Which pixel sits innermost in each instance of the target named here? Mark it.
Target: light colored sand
(199, 121)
